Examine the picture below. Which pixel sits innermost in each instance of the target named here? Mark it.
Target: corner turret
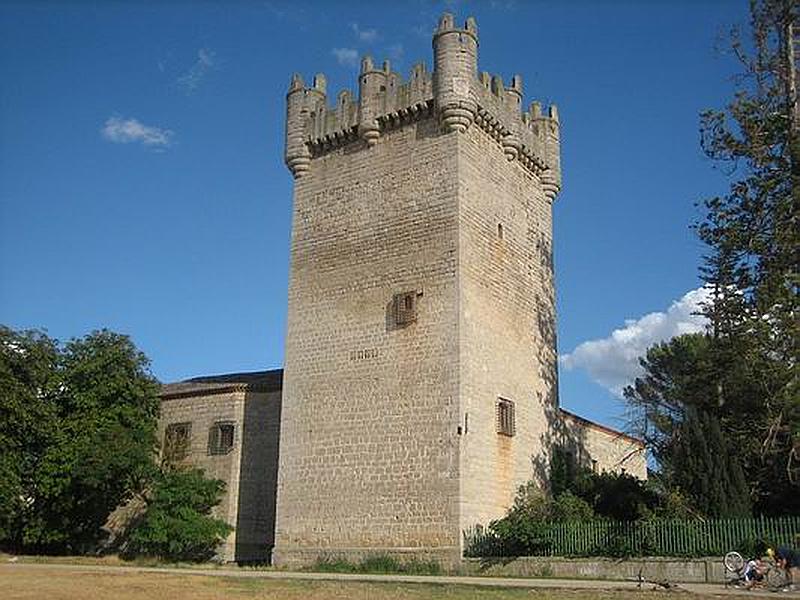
(371, 99)
(547, 130)
(455, 70)
(296, 153)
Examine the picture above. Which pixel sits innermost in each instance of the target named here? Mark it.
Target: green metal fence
(712, 537)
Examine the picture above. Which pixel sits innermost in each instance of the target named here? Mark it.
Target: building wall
(258, 476)
(507, 325)
(603, 449)
(369, 443)
(249, 470)
(202, 412)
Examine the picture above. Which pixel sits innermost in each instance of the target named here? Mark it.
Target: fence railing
(712, 537)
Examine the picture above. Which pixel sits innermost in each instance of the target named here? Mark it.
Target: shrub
(569, 507)
(177, 524)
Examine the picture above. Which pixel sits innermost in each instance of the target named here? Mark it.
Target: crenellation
(454, 89)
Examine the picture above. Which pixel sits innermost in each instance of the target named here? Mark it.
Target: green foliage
(177, 524)
(744, 373)
(77, 424)
(646, 537)
(677, 373)
(569, 507)
(562, 471)
(706, 470)
(753, 239)
(525, 529)
(28, 415)
(618, 496)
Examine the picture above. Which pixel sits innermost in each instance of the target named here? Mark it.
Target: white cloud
(347, 57)
(191, 80)
(126, 131)
(364, 35)
(613, 362)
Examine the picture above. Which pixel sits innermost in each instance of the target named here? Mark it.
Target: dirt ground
(22, 582)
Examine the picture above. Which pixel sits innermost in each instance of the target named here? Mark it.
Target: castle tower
(420, 378)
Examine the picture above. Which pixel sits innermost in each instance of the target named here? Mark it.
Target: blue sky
(142, 186)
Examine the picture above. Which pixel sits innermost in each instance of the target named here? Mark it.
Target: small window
(505, 417)
(594, 466)
(405, 308)
(177, 439)
(220, 437)
(500, 230)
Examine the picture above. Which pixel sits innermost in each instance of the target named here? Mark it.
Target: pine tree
(753, 263)
(706, 469)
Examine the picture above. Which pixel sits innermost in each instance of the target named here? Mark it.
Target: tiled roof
(256, 381)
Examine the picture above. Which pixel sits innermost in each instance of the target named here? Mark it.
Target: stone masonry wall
(604, 449)
(369, 450)
(507, 325)
(249, 470)
(258, 476)
(202, 412)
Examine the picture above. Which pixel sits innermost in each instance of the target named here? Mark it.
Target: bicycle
(773, 578)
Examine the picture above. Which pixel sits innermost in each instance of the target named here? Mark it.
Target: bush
(569, 507)
(177, 524)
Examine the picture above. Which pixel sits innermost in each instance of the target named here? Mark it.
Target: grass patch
(31, 582)
(378, 564)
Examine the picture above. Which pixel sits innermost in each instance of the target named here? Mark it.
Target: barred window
(220, 437)
(405, 308)
(177, 438)
(505, 417)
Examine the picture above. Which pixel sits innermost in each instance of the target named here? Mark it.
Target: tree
(677, 374)
(27, 422)
(177, 523)
(743, 374)
(79, 422)
(753, 236)
(706, 469)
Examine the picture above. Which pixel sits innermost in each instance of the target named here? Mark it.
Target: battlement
(454, 91)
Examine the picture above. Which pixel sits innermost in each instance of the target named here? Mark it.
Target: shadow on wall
(258, 478)
(556, 435)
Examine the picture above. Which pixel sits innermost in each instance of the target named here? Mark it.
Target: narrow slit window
(500, 231)
(505, 417)
(220, 437)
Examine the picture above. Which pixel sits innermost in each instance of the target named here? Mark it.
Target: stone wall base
(448, 557)
(678, 570)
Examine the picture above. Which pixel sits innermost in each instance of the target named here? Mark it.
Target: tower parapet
(455, 91)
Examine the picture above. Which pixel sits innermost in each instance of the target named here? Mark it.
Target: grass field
(22, 582)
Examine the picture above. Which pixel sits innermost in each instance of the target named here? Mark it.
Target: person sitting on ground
(754, 572)
(789, 560)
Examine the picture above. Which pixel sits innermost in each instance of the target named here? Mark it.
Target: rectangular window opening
(405, 308)
(505, 417)
(220, 437)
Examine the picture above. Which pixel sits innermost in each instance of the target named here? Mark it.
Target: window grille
(405, 308)
(177, 438)
(220, 437)
(505, 417)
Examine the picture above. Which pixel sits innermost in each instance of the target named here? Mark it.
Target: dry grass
(21, 582)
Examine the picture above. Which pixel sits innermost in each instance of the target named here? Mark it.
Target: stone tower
(419, 385)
